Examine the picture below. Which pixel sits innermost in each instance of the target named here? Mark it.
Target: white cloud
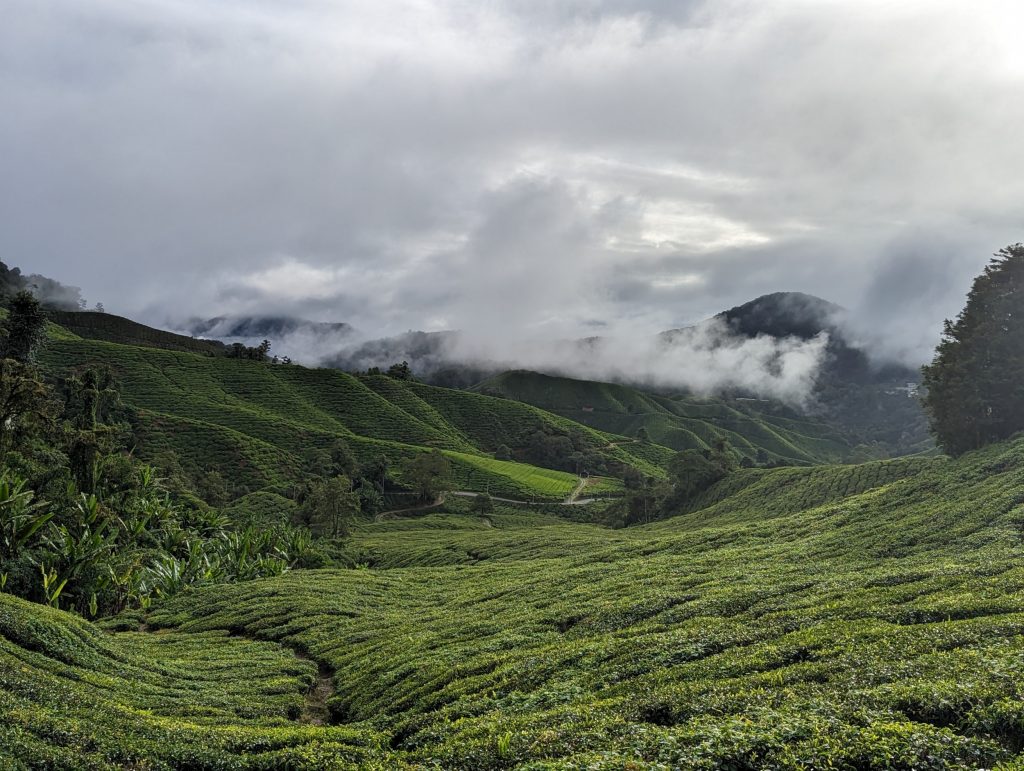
(511, 165)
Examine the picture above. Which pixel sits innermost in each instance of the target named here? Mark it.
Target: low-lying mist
(706, 359)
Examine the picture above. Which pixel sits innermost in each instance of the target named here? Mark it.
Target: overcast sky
(546, 166)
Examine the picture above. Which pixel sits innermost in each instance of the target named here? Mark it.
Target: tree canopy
(24, 328)
(974, 387)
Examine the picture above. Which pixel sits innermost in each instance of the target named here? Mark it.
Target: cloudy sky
(547, 166)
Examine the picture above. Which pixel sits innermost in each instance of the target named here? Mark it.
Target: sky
(534, 168)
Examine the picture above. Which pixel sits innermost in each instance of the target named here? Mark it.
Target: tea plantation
(256, 421)
(679, 422)
(832, 617)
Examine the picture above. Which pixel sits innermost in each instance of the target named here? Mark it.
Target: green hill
(256, 422)
(680, 422)
(93, 325)
(862, 617)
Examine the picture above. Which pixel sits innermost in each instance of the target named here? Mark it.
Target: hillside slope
(872, 621)
(256, 421)
(92, 325)
(680, 422)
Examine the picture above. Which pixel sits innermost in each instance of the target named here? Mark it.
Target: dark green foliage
(28, 408)
(694, 472)
(23, 328)
(429, 474)
(975, 385)
(400, 371)
(482, 503)
(329, 506)
(107, 534)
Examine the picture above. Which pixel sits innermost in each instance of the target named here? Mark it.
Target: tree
(503, 452)
(429, 474)
(974, 387)
(342, 459)
(371, 500)
(400, 371)
(329, 505)
(482, 503)
(642, 434)
(27, 405)
(23, 330)
(377, 472)
(692, 473)
(213, 488)
(91, 395)
(644, 499)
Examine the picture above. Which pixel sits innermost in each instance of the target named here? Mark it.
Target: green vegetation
(260, 421)
(529, 480)
(92, 325)
(814, 616)
(871, 620)
(974, 393)
(754, 428)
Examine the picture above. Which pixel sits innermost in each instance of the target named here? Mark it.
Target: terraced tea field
(679, 423)
(258, 420)
(531, 480)
(873, 619)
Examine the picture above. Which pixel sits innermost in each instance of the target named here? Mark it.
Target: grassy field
(840, 617)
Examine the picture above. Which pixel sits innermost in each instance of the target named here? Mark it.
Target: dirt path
(584, 481)
(621, 442)
(315, 711)
(383, 515)
(573, 500)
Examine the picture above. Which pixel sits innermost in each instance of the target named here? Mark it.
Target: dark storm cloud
(522, 168)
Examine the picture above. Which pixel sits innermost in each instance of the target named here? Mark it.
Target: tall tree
(329, 506)
(27, 405)
(974, 387)
(429, 474)
(23, 329)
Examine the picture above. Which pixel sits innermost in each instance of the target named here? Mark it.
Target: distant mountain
(803, 316)
(784, 314)
(271, 327)
(865, 398)
(428, 350)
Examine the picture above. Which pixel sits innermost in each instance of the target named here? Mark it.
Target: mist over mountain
(50, 292)
(298, 339)
(777, 346)
(264, 326)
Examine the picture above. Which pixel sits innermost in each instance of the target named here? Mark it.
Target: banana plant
(21, 518)
(53, 585)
